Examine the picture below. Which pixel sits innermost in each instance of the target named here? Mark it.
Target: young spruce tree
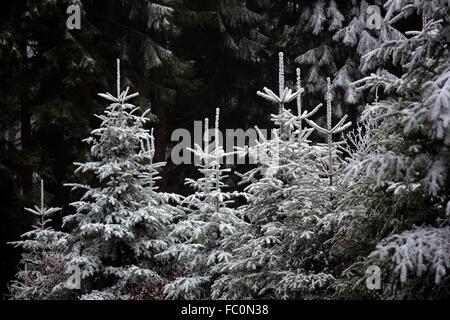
(42, 276)
(282, 252)
(197, 238)
(121, 223)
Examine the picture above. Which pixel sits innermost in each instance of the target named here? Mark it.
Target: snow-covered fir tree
(401, 174)
(42, 273)
(197, 238)
(120, 223)
(282, 253)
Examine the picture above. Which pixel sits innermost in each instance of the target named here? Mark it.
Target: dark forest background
(184, 57)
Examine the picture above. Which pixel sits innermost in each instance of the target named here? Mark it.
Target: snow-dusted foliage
(120, 223)
(402, 172)
(282, 253)
(42, 273)
(416, 252)
(197, 238)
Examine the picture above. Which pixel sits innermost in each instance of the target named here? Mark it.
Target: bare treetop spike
(42, 194)
(281, 72)
(216, 128)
